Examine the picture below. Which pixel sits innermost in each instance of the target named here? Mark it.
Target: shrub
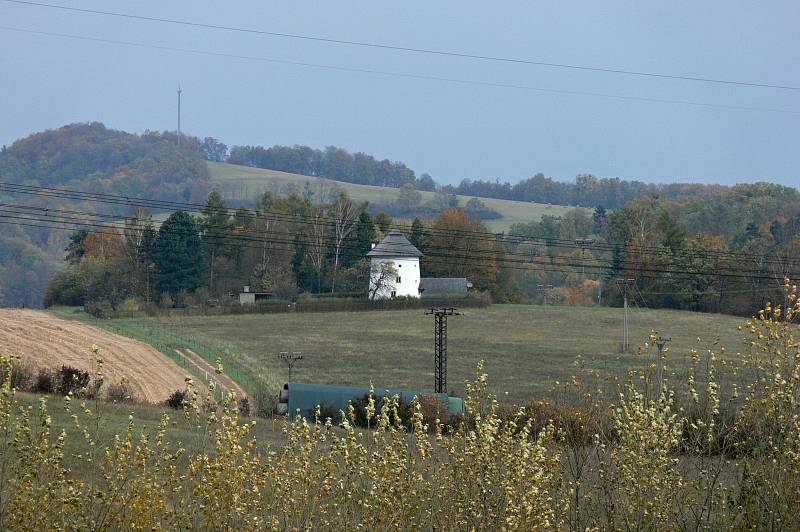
(434, 407)
(327, 412)
(400, 415)
(129, 306)
(176, 399)
(22, 377)
(184, 299)
(244, 406)
(150, 308)
(45, 381)
(209, 406)
(120, 392)
(265, 402)
(100, 308)
(72, 380)
(166, 301)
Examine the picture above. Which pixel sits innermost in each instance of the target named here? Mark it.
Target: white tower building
(394, 270)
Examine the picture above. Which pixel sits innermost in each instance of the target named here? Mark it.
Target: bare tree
(270, 259)
(263, 226)
(343, 213)
(139, 236)
(316, 242)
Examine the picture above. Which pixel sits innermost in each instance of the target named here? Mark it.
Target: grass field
(526, 348)
(243, 182)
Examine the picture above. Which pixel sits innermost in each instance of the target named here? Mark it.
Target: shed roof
(444, 285)
(395, 244)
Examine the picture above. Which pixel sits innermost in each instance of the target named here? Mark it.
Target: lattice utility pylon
(440, 346)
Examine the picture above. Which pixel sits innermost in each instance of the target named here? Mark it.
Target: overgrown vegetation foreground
(694, 454)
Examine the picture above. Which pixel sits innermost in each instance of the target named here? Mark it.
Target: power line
(498, 257)
(406, 75)
(473, 235)
(510, 263)
(410, 49)
(48, 214)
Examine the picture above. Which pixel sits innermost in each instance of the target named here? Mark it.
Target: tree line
(337, 163)
(289, 246)
(723, 253)
(284, 246)
(331, 163)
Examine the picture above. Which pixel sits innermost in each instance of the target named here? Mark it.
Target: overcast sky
(450, 130)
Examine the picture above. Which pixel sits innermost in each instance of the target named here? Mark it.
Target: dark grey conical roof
(395, 244)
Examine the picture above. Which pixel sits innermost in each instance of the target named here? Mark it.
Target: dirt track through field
(201, 364)
(45, 341)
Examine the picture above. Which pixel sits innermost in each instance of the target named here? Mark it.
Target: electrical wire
(410, 49)
(512, 263)
(474, 235)
(406, 75)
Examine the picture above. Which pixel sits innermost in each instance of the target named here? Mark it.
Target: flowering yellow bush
(701, 453)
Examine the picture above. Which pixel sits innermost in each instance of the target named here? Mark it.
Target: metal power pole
(584, 244)
(440, 345)
(179, 116)
(661, 343)
(290, 359)
(626, 347)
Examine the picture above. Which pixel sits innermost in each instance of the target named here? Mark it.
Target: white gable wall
(406, 269)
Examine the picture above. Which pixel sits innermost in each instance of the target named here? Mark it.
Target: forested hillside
(84, 157)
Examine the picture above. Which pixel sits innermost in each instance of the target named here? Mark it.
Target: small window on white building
(394, 294)
(398, 280)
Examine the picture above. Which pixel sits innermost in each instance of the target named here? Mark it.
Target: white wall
(407, 269)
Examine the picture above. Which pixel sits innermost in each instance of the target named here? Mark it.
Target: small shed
(304, 398)
(444, 285)
(246, 297)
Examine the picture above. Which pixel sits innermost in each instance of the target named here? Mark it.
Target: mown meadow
(526, 349)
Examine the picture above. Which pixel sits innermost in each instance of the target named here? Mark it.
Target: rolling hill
(247, 183)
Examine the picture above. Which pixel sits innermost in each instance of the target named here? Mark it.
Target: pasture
(246, 183)
(526, 349)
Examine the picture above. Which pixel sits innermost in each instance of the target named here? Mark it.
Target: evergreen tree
(76, 248)
(215, 226)
(383, 221)
(417, 235)
(673, 232)
(362, 243)
(178, 255)
(599, 218)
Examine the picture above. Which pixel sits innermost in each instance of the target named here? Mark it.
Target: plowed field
(44, 341)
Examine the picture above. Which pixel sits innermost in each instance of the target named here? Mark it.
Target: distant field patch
(246, 183)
